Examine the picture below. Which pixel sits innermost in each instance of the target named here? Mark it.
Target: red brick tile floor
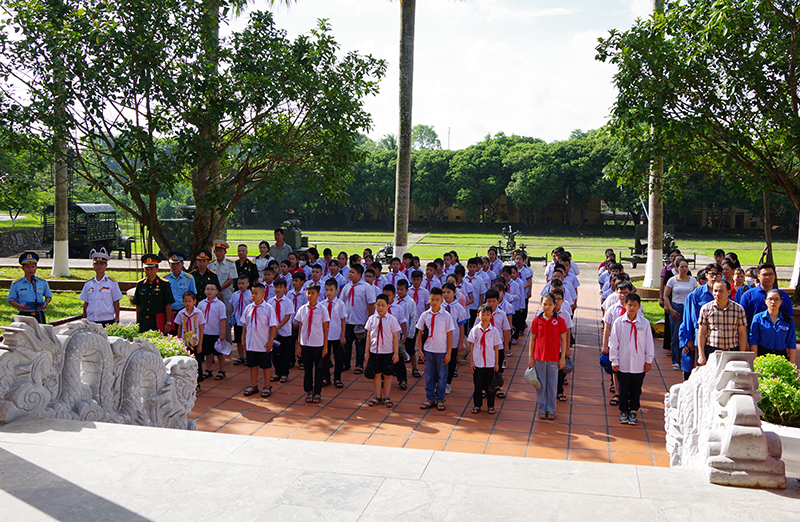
(586, 427)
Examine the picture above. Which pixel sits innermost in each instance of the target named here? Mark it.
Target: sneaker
(676, 367)
(623, 418)
(514, 341)
(508, 353)
(504, 365)
(632, 420)
(447, 389)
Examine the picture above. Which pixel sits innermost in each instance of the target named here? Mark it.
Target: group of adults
(724, 308)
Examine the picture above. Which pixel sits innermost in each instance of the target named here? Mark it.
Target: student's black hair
(286, 262)
(616, 266)
(506, 270)
(460, 270)
(634, 297)
(416, 274)
(715, 266)
(269, 269)
(245, 277)
(485, 308)
(358, 268)
(447, 254)
(396, 259)
(523, 254)
(609, 251)
(622, 276)
(370, 270)
(313, 286)
(556, 283)
(302, 256)
(492, 249)
(190, 293)
(719, 252)
(408, 255)
(559, 267)
(316, 266)
(403, 283)
(368, 250)
(557, 250)
(622, 285)
(389, 288)
(474, 261)
(431, 265)
(438, 262)
(342, 252)
(354, 259)
(414, 258)
(449, 286)
(377, 267)
(334, 262)
(314, 252)
(455, 278)
(327, 252)
(382, 297)
(279, 282)
(564, 257)
(273, 262)
(499, 285)
(548, 295)
(332, 282)
(255, 287)
(436, 291)
(299, 275)
(558, 291)
(492, 294)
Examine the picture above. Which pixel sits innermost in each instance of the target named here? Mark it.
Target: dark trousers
(765, 351)
(361, 346)
(451, 367)
(561, 377)
(473, 316)
(280, 357)
(482, 379)
(336, 350)
(518, 323)
(312, 380)
(400, 366)
(630, 390)
(501, 357)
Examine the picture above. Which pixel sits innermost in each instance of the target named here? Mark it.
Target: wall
(16, 242)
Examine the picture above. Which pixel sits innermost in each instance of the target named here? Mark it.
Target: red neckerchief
(483, 344)
(310, 320)
(634, 333)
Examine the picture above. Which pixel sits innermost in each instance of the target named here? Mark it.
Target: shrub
(779, 384)
(168, 345)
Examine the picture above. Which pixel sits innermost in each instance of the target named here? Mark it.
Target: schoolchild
(383, 330)
(216, 321)
(259, 327)
(418, 293)
(431, 281)
(190, 323)
(548, 347)
(460, 316)
(337, 312)
(500, 321)
(404, 300)
(360, 301)
(239, 300)
(395, 273)
(268, 280)
(312, 322)
(479, 288)
(297, 294)
(438, 327)
(484, 342)
(399, 312)
(284, 313)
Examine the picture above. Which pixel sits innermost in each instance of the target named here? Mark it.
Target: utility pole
(655, 222)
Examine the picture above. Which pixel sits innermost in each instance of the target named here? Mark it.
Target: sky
(481, 67)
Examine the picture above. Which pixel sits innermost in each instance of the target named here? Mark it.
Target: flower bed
(168, 345)
(779, 384)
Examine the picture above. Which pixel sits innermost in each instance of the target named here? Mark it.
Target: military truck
(92, 226)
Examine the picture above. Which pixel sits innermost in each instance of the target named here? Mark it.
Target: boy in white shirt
(613, 312)
(500, 321)
(336, 274)
(631, 354)
(338, 315)
(382, 337)
(403, 299)
(239, 300)
(479, 288)
(417, 293)
(372, 282)
(268, 280)
(437, 326)
(259, 327)
(312, 322)
(189, 323)
(216, 320)
(460, 316)
(484, 343)
(395, 273)
(399, 312)
(297, 294)
(284, 313)
(360, 302)
(431, 281)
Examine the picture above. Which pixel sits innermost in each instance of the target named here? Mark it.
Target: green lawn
(652, 311)
(28, 222)
(74, 274)
(64, 304)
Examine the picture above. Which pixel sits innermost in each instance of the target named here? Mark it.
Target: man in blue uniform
(179, 282)
(30, 294)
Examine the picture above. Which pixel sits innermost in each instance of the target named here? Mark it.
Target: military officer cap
(28, 257)
(220, 243)
(175, 257)
(100, 257)
(150, 260)
(203, 254)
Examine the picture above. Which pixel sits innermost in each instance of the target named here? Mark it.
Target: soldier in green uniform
(153, 298)
(202, 275)
(245, 267)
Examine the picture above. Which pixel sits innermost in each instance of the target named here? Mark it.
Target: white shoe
(447, 389)
(508, 353)
(504, 365)
(514, 341)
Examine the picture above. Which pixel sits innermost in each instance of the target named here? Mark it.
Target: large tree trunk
(61, 213)
(403, 177)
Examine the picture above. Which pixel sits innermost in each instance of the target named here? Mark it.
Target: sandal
(375, 401)
(274, 378)
(542, 415)
(440, 406)
(338, 384)
(614, 400)
(426, 405)
(416, 373)
(238, 361)
(316, 398)
(359, 370)
(309, 397)
(562, 397)
(208, 374)
(388, 402)
(612, 389)
(220, 375)
(551, 415)
(476, 410)
(500, 395)
(266, 392)
(283, 379)
(250, 390)
(403, 385)
(491, 411)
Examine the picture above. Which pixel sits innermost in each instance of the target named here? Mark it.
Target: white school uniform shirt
(376, 291)
(566, 314)
(549, 270)
(496, 266)
(483, 345)
(526, 274)
(488, 275)
(603, 279)
(420, 296)
(617, 310)
(392, 278)
(460, 316)
(510, 297)
(336, 311)
(399, 312)
(298, 299)
(572, 280)
(506, 306)
(257, 320)
(500, 321)
(519, 283)
(478, 289)
(100, 296)
(630, 345)
(411, 314)
(269, 291)
(609, 300)
(437, 335)
(383, 329)
(286, 277)
(311, 332)
(573, 269)
(341, 280)
(357, 297)
(468, 290)
(239, 300)
(190, 322)
(283, 307)
(213, 312)
(429, 284)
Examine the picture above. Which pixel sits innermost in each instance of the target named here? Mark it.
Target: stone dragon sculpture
(82, 374)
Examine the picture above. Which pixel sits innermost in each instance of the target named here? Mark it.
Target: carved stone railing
(83, 374)
(713, 424)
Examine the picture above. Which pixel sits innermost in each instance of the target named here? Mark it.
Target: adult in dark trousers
(153, 298)
(30, 294)
(722, 325)
(203, 275)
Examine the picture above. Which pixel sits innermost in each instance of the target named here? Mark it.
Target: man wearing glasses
(754, 300)
(691, 314)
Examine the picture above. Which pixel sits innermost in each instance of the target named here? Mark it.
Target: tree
(388, 142)
(531, 188)
(22, 174)
(432, 187)
(374, 183)
(424, 137)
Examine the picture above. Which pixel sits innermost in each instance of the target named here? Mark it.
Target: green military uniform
(248, 269)
(152, 298)
(201, 280)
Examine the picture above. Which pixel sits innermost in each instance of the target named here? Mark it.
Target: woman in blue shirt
(771, 331)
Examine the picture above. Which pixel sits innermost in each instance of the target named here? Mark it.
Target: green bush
(168, 345)
(779, 384)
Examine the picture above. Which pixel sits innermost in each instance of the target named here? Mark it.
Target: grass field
(74, 274)
(27, 222)
(64, 304)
